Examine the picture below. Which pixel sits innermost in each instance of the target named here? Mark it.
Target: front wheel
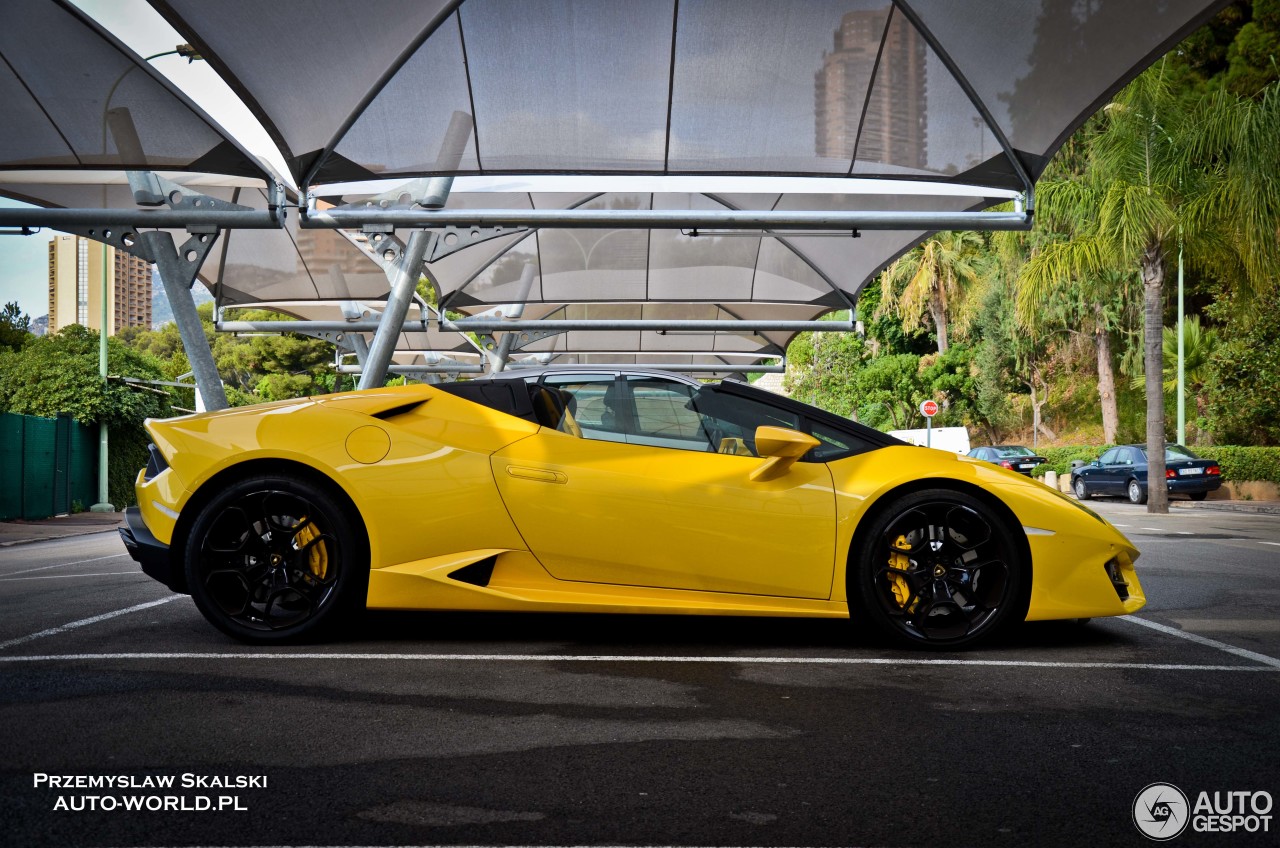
(939, 569)
(1136, 493)
(1082, 493)
(274, 558)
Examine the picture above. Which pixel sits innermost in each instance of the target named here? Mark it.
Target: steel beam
(408, 267)
(467, 325)
(178, 271)
(134, 219)
(662, 219)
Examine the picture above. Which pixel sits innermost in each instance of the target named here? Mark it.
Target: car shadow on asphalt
(678, 635)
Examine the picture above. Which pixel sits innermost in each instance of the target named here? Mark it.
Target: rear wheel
(1082, 493)
(940, 569)
(274, 559)
(1137, 495)
(1198, 496)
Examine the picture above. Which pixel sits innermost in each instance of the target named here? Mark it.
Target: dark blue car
(1122, 471)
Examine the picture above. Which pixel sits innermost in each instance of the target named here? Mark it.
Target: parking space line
(597, 658)
(65, 576)
(1204, 640)
(63, 564)
(62, 628)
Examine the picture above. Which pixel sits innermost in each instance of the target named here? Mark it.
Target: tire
(275, 558)
(914, 580)
(1082, 493)
(1137, 495)
(1198, 496)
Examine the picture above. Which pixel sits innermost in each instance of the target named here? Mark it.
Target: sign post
(928, 409)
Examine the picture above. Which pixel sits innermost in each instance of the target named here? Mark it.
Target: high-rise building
(892, 131)
(75, 286)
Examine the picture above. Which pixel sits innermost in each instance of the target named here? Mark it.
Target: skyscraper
(75, 286)
(893, 131)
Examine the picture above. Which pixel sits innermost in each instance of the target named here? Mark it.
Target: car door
(664, 507)
(1103, 479)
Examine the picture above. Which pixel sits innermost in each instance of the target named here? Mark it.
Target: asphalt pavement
(482, 729)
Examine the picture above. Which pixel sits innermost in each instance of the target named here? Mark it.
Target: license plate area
(1190, 472)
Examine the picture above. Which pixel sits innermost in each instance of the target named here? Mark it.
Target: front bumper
(152, 554)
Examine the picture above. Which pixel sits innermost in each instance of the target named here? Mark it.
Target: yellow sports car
(604, 491)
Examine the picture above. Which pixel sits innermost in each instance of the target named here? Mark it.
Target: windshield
(1177, 452)
(1014, 450)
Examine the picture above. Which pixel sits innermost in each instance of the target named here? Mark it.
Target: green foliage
(15, 326)
(1245, 463)
(59, 374)
(1060, 459)
(1243, 387)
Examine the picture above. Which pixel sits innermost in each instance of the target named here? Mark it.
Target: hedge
(1238, 463)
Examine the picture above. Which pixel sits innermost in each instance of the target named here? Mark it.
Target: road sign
(929, 408)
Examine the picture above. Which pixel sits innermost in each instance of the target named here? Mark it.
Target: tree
(58, 374)
(1161, 174)
(930, 278)
(15, 326)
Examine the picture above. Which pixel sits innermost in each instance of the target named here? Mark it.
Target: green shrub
(1060, 458)
(1244, 463)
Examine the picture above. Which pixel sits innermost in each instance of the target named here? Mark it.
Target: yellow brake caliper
(900, 562)
(318, 556)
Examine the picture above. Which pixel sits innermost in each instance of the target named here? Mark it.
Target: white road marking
(1153, 529)
(1113, 524)
(1203, 640)
(62, 628)
(594, 658)
(1184, 533)
(1277, 544)
(65, 576)
(64, 564)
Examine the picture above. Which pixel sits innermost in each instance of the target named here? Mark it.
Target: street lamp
(104, 504)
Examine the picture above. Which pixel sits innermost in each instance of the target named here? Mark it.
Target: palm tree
(1158, 174)
(929, 278)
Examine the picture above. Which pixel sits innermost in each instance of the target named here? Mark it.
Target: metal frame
(436, 232)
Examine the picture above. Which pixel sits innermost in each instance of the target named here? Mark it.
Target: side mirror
(781, 447)
(1097, 463)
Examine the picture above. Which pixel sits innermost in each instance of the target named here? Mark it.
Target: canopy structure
(696, 180)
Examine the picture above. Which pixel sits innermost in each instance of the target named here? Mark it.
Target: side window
(731, 421)
(836, 444)
(665, 416)
(1111, 457)
(593, 398)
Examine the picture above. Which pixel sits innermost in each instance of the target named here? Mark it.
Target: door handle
(542, 475)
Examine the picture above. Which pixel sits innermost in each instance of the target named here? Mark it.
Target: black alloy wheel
(1082, 492)
(274, 559)
(940, 569)
(1137, 495)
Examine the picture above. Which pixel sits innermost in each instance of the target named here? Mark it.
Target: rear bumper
(1188, 485)
(152, 554)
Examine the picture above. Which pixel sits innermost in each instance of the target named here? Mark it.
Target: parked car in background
(1013, 457)
(1122, 471)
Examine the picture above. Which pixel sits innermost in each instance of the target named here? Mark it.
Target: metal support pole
(103, 504)
(516, 310)
(178, 274)
(408, 269)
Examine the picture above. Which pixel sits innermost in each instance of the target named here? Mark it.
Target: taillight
(1215, 470)
(1004, 463)
(1169, 474)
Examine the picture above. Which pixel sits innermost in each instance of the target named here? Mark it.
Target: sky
(24, 263)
